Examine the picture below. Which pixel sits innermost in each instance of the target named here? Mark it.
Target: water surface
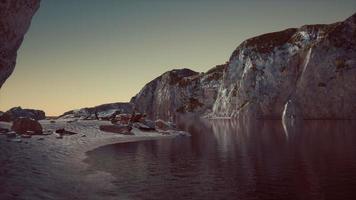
(236, 160)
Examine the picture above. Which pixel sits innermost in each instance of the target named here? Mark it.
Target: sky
(81, 53)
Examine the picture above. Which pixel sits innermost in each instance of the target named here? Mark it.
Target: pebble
(18, 140)
(26, 136)
(58, 136)
(11, 134)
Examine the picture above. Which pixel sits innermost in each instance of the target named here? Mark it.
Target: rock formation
(120, 129)
(305, 73)
(18, 112)
(15, 18)
(27, 126)
(179, 91)
(105, 111)
(312, 67)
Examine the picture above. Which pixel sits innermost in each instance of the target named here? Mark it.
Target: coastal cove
(177, 100)
(222, 159)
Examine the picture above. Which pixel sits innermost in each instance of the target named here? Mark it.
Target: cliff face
(307, 73)
(313, 68)
(179, 91)
(300, 73)
(15, 18)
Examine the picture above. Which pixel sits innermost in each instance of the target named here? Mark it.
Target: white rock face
(179, 91)
(305, 73)
(15, 19)
(314, 65)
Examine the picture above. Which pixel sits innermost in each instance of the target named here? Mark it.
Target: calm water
(236, 160)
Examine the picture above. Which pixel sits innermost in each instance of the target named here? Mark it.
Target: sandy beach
(45, 167)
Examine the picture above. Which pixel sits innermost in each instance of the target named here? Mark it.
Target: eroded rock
(27, 126)
(15, 19)
(179, 91)
(120, 129)
(162, 125)
(314, 65)
(62, 132)
(143, 126)
(18, 112)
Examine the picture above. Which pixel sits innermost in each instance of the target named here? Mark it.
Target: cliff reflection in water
(227, 159)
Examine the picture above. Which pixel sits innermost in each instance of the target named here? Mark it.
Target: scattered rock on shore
(137, 117)
(26, 136)
(122, 119)
(11, 134)
(62, 131)
(120, 129)
(27, 126)
(162, 125)
(58, 136)
(4, 130)
(143, 126)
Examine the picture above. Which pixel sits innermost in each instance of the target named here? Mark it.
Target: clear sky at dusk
(81, 53)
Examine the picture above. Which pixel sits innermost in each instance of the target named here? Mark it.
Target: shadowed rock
(143, 126)
(120, 129)
(62, 132)
(179, 91)
(18, 112)
(15, 19)
(314, 65)
(27, 126)
(162, 125)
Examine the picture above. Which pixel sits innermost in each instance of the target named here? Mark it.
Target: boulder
(120, 129)
(27, 126)
(18, 112)
(62, 131)
(162, 125)
(122, 119)
(149, 123)
(137, 117)
(143, 127)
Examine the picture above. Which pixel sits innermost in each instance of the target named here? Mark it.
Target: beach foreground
(45, 166)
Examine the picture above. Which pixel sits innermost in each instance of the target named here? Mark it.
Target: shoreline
(38, 168)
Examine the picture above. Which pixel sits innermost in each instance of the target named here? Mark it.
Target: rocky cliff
(309, 71)
(300, 73)
(15, 18)
(179, 91)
